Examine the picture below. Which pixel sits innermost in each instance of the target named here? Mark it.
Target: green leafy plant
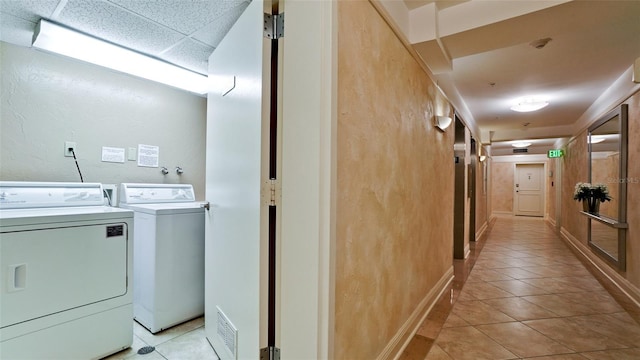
(585, 191)
(582, 191)
(600, 192)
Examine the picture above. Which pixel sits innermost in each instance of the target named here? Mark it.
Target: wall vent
(520, 151)
(227, 333)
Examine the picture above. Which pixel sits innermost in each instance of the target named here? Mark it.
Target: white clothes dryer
(168, 260)
(65, 264)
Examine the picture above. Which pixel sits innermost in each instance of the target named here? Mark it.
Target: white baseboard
(399, 342)
(627, 288)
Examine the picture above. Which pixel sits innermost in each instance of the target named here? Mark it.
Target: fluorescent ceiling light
(529, 104)
(594, 139)
(51, 37)
(521, 144)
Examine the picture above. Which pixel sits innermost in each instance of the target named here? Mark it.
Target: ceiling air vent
(520, 151)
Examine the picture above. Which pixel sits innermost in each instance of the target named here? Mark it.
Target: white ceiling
(480, 52)
(468, 44)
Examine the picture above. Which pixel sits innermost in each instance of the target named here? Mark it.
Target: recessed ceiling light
(529, 104)
(521, 144)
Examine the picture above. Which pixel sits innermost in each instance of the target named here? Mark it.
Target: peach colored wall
(394, 226)
(551, 190)
(481, 194)
(605, 171)
(575, 169)
(502, 186)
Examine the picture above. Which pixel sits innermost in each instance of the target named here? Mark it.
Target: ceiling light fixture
(51, 37)
(594, 139)
(529, 104)
(521, 144)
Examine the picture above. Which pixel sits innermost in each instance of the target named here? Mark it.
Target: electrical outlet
(67, 146)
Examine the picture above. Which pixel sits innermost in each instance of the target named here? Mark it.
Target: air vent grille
(227, 333)
(520, 151)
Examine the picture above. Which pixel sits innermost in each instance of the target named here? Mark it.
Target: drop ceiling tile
(16, 30)
(31, 10)
(184, 16)
(110, 22)
(213, 33)
(190, 54)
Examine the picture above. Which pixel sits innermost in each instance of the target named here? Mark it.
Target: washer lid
(166, 208)
(131, 193)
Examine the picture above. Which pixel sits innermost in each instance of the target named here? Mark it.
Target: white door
(235, 224)
(529, 190)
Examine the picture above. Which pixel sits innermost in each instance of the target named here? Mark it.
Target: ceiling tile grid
(213, 33)
(30, 10)
(105, 20)
(181, 32)
(186, 18)
(189, 54)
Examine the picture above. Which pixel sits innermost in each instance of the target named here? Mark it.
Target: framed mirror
(607, 146)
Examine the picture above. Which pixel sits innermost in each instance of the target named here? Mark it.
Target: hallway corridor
(526, 295)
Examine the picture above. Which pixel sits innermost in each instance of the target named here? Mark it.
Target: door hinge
(271, 192)
(270, 353)
(273, 26)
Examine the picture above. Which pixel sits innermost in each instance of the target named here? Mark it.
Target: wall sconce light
(58, 39)
(442, 122)
(483, 158)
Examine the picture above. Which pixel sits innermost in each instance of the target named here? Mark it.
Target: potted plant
(591, 196)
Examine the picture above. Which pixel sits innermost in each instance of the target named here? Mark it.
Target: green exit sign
(555, 153)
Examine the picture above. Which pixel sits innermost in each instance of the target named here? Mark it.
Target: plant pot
(585, 206)
(594, 206)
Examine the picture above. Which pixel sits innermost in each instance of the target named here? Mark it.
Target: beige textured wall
(502, 186)
(575, 169)
(482, 194)
(606, 171)
(394, 211)
(48, 99)
(550, 212)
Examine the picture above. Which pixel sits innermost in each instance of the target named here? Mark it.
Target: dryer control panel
(24, 194)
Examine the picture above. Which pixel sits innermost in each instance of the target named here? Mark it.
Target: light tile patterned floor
(186, 341)
(523, 294)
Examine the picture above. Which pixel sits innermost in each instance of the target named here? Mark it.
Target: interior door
(529, 190)
(236, 229)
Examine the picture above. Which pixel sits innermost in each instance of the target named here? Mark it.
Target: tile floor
(523, 294)
(186, 341)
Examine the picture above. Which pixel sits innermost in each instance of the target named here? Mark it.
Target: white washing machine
(168, 260)
(65, 264)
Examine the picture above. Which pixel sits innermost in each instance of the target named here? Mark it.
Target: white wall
(48, 99)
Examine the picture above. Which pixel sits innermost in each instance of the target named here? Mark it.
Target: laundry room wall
(48, 99)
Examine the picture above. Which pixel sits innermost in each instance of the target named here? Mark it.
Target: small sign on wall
(148, 155)
(555, 153)
(112, 154)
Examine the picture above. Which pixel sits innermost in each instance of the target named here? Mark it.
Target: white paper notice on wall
(148, 155)
(112, 154)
